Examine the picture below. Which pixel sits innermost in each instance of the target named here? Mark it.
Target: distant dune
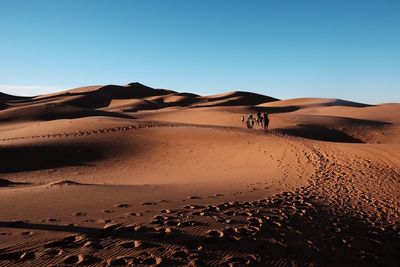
(313, 102)
(7, 97)
(363, 122)
(3, 105)
(235, 99)
(50, 111)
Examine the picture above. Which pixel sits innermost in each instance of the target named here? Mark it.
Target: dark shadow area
(132, 90)
(40, 99)
(40, 157)
(243, 98)
(90, 100)
(321, 133)
(10, 98)
(147, 234)
(272, 110)
(7, 183)
(52, 111)
(149, 105)
(236, 99)
(345, 103)
(98, 98)
(155, 105)
(336, 103)
(284, 231)
(337, 121)
(313, 235)
(3, 105)
(187, 100)
(102, 97)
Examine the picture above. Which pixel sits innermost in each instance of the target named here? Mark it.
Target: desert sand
(131, 175)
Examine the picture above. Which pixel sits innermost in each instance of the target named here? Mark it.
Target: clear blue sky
(322, 48)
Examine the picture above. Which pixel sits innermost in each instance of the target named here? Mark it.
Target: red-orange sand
(131, 175)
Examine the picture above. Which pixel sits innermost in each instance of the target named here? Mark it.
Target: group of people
(260, 118)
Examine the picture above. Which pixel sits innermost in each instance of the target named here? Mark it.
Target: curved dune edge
(314, 102)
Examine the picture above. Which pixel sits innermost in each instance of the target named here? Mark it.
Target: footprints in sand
(29, 255)
(193, 197)
(240, 261)
(27, 233)
(51, 220)
(17, 256)
(80, 260)
(323, 218)
(214, 233)
(73, 259)
(301, 224)
(134, 214)
(131, 244)
(118, 261)
(122, 206)
(136, 125)
(52, 252)
(148, 203)
(108, 211)
(67, 242)
(79, 214)
(261, 232)
(131, 261)
(117, 206)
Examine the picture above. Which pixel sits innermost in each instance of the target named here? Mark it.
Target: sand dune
(51, 111)
(3, 105)
(182, 99)
(101, 96)
(7, 97)
(384, 112)
(373, 124)
(130, 175)
(132, 105)
(234, 99)
(312, 102)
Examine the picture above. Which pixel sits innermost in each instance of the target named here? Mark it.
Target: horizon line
(50, 89)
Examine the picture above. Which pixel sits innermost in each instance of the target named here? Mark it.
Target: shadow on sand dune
(3, 105)
(282, 234)
(272, 110)
(41, 157)
(102, 96)
(320, 133)
(7, 183)
(53, 111)
(238, 98)
(11, 98)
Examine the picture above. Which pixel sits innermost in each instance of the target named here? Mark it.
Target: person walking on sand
(258, 118)
(265, 121)
(242, 119)
(250, 121)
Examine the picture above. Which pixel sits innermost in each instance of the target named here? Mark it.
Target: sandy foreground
(116, 176)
